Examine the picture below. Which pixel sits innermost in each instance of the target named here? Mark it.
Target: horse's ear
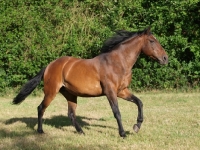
(148, 31)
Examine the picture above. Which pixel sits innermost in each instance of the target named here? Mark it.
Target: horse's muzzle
(163, 60)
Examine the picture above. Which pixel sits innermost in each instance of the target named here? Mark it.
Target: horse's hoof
(122, 134)
(40, 131)
(81, 132)
(136, 128)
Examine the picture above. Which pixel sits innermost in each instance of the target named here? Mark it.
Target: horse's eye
(151, 41)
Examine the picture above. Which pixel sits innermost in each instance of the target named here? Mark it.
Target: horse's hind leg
(41, 109)
(71, 114)
(72, 104)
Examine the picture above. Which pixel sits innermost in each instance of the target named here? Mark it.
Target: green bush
(33, 33)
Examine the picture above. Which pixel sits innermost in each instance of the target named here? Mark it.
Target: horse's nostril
(165, 58)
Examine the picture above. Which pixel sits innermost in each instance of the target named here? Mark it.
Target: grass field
(171, 122)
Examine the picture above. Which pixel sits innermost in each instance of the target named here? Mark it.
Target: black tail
(29, 87)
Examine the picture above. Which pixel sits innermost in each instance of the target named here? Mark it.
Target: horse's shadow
(59, 122)
(56, 121)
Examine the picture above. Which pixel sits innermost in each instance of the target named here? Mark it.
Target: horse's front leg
(127, 95)
(112, 98)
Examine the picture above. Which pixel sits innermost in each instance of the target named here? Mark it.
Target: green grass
(171, 121)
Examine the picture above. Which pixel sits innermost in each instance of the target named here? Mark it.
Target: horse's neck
(124, 56)
(131, 49)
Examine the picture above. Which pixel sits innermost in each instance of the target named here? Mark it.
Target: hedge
(33, 33)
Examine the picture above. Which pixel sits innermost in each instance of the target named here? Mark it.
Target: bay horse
(107, 74)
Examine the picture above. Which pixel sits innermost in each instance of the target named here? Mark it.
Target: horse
(108, 74)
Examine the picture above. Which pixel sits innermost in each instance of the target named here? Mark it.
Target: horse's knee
(136, 100)
(140, 103)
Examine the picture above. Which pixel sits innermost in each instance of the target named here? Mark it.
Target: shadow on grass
(57, 122)
(19, 137)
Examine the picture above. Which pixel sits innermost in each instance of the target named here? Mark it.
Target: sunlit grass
(171, 121)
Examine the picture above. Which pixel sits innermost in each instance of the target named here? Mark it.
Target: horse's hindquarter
(81, 77)
(53, 75)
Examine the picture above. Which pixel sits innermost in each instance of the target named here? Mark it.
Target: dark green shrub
(33, 33)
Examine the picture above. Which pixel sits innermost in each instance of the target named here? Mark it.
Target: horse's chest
(125, 81)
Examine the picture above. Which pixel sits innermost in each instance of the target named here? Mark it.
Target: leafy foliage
(33, 33)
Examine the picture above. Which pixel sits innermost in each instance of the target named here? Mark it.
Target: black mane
(118, 38)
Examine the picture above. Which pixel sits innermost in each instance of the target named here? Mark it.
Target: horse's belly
(84, 89)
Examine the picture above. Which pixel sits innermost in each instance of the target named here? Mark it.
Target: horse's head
(153, 49)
